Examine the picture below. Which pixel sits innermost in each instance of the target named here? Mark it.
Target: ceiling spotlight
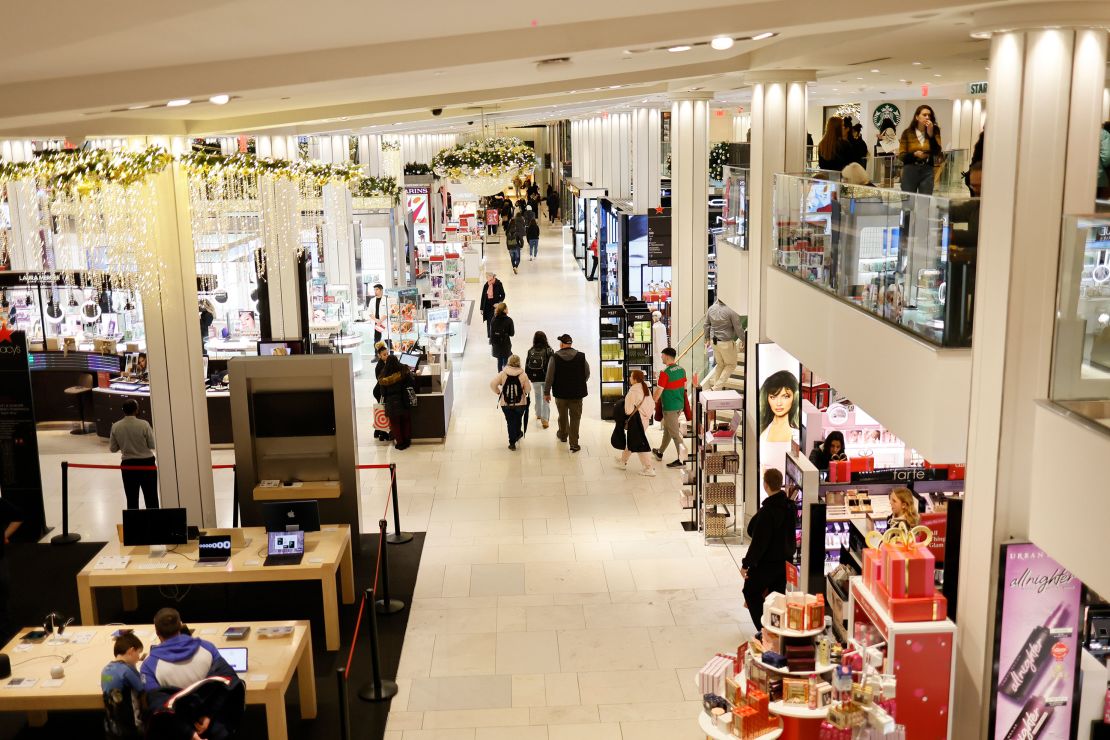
(219, 99)
(722, 42)
(981, 35)
(680, 47)
(138, 107)
(859, 78)
(936, 75)
(875, 71)
(178, 102)
(761, 36)
(917, 64)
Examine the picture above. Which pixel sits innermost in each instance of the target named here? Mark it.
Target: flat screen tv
(293, 414)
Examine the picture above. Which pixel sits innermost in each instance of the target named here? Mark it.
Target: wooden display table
(271, 664)
(327, 553)
(306, 490)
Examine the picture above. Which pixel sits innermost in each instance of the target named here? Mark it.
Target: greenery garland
(494, 157)
(718, 158)
(242, 164)
(378, 187)
(85, 169)
(417, 168)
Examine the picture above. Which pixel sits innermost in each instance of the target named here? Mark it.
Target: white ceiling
(340, 65)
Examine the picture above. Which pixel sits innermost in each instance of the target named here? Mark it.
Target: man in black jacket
(772, 533)
(493, 292)
(567, 374)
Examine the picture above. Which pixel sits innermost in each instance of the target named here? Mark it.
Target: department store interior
(376, 314)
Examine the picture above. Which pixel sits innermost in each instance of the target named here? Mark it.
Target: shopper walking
(919, 150)
(501, 333)
(832, 150)
(133, 439)
(513, 389)
(493, 292)
(532, 233)
(724, 331)
(553, 203)
(399, 396)
(593, 267)
(857, 147)
(506, 212)
(670, 392)
(567, 375)
(771, 536)
(535, 365)
(639, 409)
(514, 238)
(378, 307)
(903, 510)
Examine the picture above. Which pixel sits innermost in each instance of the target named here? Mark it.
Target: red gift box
(861, 464)
(872, 566)
(908, 571)
(839, 472)
(925, 609)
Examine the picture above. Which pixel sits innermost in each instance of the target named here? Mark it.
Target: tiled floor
(558, 597)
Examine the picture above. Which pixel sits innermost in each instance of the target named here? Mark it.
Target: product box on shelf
(908, 571)
(711, 677)
(872, 566)
(932, 608)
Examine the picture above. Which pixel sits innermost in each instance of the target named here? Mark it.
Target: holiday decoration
(718, 158)
(485, 166)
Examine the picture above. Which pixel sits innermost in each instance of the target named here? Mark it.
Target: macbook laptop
(284, 548)
(213, 550)
(236, 657)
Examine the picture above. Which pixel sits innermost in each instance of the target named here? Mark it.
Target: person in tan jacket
(920, 151)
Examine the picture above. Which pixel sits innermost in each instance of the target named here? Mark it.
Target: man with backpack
(567, 375)
(535, 365)
(532, 233)
(513, 388)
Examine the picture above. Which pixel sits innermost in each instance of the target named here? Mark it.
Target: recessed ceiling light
(344, 118)
(761, 36)
(859, 78)
(138, 107)
(836, 89)
(936, 75)
(615, 87)
(902, 80)
(917, 64)
(680, 47)
(177, 103)
(875, 70)
(722, 42)
(219, 99)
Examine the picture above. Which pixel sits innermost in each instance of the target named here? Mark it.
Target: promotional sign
(416, 201)
(780, 406)
(1037, 644)
(937, 522)
(20, 479)
(977, 88)
(898, 475)
(659, 240)
(888, 112)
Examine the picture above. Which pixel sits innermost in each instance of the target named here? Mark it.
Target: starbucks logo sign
(886, 110)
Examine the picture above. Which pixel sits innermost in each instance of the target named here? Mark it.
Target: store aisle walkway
(558, 597)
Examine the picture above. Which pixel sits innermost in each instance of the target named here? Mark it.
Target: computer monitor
(410, 360)
(287, 516)
(267, 347)
(154, 527)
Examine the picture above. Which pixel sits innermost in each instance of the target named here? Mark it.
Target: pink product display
(711, 677)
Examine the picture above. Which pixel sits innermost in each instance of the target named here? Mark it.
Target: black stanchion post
(386, 605)
(379, 689)
(344, 707)
(66, 537)
(398, 537)
(234, 496)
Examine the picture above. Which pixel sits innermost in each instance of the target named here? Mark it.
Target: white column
(1044, 96)
(689, 209)
(170, 319)
(645, 159)
(607, 178)
(624, 152)
(339, 248)
(597, 152)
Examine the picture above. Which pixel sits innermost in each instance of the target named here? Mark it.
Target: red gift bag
(861, 464)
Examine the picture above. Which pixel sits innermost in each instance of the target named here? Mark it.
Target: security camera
(437, 111)
(470, 123)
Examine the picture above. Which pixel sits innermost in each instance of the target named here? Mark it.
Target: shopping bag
(381, 420)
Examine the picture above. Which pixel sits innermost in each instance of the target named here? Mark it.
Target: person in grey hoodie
(567, 375)
(179, 660)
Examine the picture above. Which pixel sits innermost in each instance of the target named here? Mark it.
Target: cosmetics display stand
(927, 675)
(705, 722)
(718, 461)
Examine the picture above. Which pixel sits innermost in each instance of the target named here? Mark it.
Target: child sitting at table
(123, 689)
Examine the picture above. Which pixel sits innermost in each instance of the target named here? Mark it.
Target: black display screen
(154, 527)
(293, 414)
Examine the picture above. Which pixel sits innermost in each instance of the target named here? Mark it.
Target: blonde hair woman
(903, 509)
(513, 390)
(639, 408)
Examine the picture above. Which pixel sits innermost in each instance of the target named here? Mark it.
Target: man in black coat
(493, 292)
(772, 533)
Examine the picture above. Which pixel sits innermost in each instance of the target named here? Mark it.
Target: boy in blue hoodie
(180, 660)
(123, 689)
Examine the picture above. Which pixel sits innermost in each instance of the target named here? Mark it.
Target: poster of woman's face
(780, 406)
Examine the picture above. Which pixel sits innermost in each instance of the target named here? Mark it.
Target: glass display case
(612, 337)
(734, 217)
(889, 253)
(1081, 355)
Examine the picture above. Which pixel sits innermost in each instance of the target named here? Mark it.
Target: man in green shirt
(670, 392)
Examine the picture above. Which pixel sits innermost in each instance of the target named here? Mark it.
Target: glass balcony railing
(692, 353)
(737, 181)
(907, 258)
(1081, 356)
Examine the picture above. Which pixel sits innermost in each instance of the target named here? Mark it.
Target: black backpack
(535, 366)
(512, 390)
